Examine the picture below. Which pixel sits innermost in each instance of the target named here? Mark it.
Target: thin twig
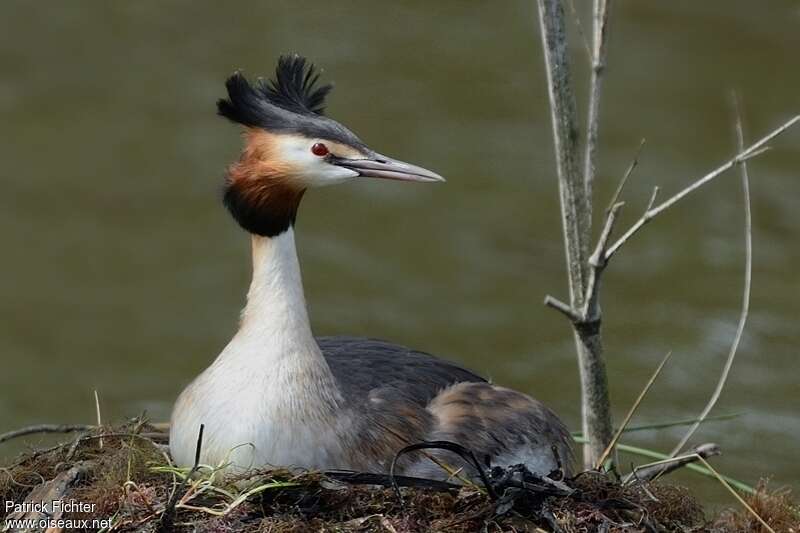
(651, 471)
(564, 308)
(644, 452)
(168, 516)
(73, 448)
(652, 200)
(631, 167)
(632, 411)
(748, 274)
(44, 428)
(599, 52)
(597, 259)
(753, 151)
(590, 312)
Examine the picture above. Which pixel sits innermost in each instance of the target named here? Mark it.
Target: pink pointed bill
(384, 167)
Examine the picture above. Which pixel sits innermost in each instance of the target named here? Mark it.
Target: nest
(124, 480)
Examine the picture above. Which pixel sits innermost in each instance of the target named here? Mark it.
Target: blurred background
(121, 272)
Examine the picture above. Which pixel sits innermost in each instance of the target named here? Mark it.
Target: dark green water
(120, 271)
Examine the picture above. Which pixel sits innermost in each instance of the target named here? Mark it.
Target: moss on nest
(126, 473)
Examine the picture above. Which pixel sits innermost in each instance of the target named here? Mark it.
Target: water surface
(122, 273)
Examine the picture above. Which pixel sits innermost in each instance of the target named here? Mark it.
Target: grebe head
(290, 146)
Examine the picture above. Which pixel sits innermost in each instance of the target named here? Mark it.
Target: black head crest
(293, 102)
(295, 86)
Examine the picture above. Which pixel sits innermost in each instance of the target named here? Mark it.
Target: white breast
(269, 398)
(252, 418)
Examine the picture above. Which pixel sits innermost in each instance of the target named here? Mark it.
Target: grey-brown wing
(362, 365)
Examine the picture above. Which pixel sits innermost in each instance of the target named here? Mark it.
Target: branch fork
(588, 314)
(585, 269)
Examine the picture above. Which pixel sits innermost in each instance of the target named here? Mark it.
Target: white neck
(271, 387)
(276, 306)
(274, 337)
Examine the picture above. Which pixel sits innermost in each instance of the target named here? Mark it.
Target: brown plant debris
(130, 480)
(775, 507)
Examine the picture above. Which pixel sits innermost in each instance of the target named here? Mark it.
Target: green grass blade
(674, 423)
(686, 422)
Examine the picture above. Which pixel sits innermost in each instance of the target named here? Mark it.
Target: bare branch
(624, 180)
(652, 471)
(563, 308)
(597, 263)
(565, 135)
(748, 274)
(576, 221)
(756, 153)
(599, 52)
(581, 33)
(44, 428)
(652, 199)
(753, 151)
(597, 259)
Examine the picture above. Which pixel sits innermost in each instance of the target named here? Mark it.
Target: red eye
(319, 149)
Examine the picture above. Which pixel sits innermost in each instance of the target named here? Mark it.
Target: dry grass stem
(735, 494)
(632, 411)
(748, 275)
(97, 413)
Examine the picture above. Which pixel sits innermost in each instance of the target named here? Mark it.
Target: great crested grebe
(278, 396)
